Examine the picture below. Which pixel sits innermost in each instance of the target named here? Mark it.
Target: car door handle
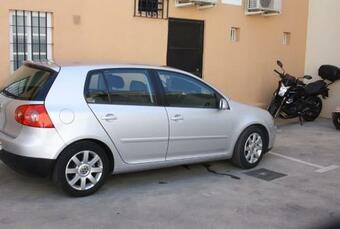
(177, 117)
(109, 117)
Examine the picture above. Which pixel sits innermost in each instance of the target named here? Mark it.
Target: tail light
(34, 116)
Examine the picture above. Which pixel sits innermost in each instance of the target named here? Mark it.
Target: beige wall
(323, 45)
(108, 33)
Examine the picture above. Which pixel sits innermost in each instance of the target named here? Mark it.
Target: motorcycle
(336, 118)
(293, 98)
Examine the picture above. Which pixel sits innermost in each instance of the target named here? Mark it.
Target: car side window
(120, 87)
(130, 87)
(184, 91)
(96, 89)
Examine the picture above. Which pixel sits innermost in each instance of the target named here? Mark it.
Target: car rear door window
(121, 87)
(184, 91)
(97, 91)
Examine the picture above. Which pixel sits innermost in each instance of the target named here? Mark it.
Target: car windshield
(28, 83)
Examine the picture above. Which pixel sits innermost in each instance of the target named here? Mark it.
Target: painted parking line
(326, 169)
(320, 169)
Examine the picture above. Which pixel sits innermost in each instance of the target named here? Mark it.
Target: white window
(286, 38)
(234, 35)
(30, 37)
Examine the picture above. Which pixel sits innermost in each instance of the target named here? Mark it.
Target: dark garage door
(185, 45)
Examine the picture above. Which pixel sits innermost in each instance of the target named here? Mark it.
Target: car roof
(88, 67)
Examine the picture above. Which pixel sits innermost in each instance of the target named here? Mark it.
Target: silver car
(78, 124)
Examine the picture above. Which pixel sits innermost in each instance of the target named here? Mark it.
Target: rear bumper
(44, 143)
(28, 165)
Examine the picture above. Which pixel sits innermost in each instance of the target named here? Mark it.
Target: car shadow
(179, 175)
(19, 185)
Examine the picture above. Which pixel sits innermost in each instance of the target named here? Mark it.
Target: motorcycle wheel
(314, 109)
(336, 120)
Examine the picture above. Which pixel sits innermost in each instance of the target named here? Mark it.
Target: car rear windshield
(29, 83)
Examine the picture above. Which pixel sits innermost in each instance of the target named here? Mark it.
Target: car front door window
(184, 91)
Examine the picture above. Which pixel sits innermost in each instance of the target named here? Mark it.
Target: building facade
(234, 52)
(323, 45)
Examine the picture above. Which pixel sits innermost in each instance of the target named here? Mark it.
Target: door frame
(159, 104)
(218, 137)
(202, 22)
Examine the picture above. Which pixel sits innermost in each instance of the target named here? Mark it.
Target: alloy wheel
(253, 148)
(84, 170)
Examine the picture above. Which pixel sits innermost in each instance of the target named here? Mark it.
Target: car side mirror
(307, 77)
(223, 104)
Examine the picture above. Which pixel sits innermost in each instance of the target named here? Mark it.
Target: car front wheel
(81, 169)
(250, 147)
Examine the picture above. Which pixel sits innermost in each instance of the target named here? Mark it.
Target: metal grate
(30, 37)
(151, 8)
(265, 174)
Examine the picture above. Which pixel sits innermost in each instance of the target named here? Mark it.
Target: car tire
(250, 148)
(81, 169)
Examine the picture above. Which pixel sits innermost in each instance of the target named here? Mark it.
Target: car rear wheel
(81, 169)
(250, 147)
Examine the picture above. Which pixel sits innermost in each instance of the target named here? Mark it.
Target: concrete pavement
(193, 197)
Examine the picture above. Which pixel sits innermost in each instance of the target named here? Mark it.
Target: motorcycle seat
(316, 88)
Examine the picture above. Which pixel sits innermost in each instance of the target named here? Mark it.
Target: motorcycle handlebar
(280, 74)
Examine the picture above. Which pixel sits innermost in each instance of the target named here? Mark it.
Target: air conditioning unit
(201, 4)
(265, 7)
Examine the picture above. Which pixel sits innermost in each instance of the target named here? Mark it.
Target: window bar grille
(24, 22)
(29, 40)
(46, 41)
(39, 41)
(16, 40)
(146, 8)
(162, 11)
(167, 9)
(32, 36)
